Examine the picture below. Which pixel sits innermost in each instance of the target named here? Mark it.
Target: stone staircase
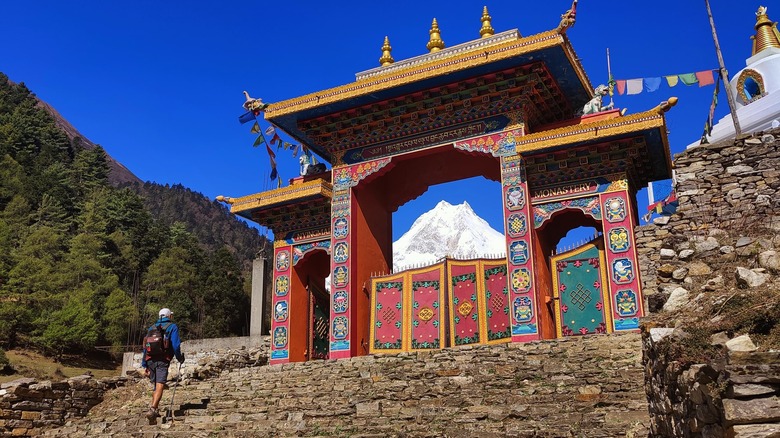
(584, 387)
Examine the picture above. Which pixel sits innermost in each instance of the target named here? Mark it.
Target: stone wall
(722, 243)
(729, 185)
(200, 352)
(588, 386)
(737, 398)
(27, 405)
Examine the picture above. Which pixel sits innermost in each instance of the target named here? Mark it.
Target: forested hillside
(83, 263)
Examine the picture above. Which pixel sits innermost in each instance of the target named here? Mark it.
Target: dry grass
(31, 364)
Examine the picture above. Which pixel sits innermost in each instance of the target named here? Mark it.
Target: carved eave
(479, 57)
(287, 207)
(647, 128)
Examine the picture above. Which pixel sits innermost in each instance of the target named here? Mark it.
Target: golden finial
(386, 58)
(487, 29)
(766, 32)
(436, 43)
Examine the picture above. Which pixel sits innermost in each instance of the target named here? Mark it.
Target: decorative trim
(285, 194)
(590, 131)
(746, 74)
(433, 68)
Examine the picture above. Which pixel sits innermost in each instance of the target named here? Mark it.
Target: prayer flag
(276, 139)
(705, 78)
(688, 78)
(246, 117)
(295, 150)
(272, 157)
(634, 86)
(255, 128)
(672, 80)
(652, 84)
(621, 86)
(259, 140)
(270, 130)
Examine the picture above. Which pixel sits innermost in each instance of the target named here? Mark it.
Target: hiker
(161, 344)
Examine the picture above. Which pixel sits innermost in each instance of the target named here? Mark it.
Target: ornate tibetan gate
(450, 303)
(501, 107)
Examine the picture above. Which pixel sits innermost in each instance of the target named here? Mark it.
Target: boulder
(750, 278)
(697, 269)
(667, 253)
(685, 254)
(678, 299)
(705, 244)
(769, 260)
(741, 343)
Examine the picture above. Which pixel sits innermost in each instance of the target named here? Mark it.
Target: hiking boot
(152, 415)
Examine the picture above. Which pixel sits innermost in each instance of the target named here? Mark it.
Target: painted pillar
(518, 222)
(340, 288)
(343, 287)
(280, 321)
(622, 262)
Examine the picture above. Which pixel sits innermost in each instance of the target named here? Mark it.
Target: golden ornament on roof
(436, 43)
(386, 58)
(487, 29)
(766, 32)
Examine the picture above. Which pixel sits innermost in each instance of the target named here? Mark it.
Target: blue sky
(158, 84)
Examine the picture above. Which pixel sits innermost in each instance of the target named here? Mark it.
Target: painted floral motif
(340, 327)
(280, 337)
(588, 205)
(515, 198)
(340, 228)
(625, 301)
(517, 225)
(521, 280)
(618, 239)
(340, 252)
(523, 311)
(281, 311)
(616, 209)
(282, 285)
(282, 260)
(301, 250)
(622, 271)
(341, 301)
(518, 252)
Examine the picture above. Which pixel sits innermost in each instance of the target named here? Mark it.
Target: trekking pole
(173, 394)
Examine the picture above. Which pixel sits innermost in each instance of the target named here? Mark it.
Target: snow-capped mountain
(447, 230)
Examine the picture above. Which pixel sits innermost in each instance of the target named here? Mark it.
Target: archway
(552, 291)
(309, 304)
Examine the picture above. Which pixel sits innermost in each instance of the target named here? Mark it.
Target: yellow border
(372, 336)
(590, 131)
(433, 68)
(408, 305)
(284, 194)
(483, 282)
(607, 309)
(480, 299)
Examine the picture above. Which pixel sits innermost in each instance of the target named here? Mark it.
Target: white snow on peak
(447, 230)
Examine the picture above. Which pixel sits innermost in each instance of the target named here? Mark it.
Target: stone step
(590, 386)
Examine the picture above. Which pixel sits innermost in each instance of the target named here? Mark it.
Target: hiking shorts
(158, 370)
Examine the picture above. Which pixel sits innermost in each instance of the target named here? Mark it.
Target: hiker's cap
(165, 312)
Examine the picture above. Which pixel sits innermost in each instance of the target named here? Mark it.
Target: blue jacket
(172, 332)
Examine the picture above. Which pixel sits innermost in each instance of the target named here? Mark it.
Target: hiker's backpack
(157, 345)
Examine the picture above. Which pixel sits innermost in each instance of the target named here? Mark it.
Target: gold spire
(766, 32)
(436, 43)
(487, 29)
(386, 58)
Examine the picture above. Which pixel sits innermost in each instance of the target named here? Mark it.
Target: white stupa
(756, 88)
